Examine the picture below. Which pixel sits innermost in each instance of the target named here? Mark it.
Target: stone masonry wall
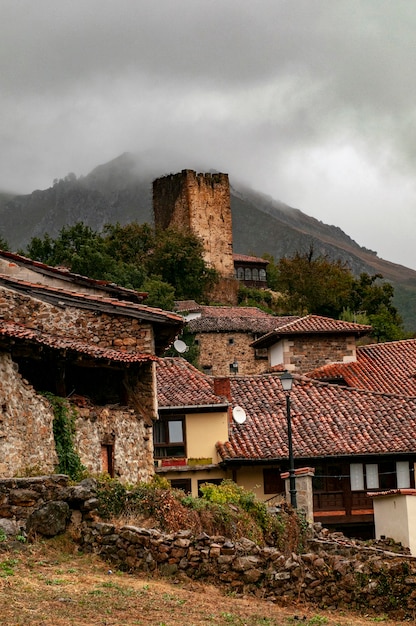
(200, 202)
(306, 353)
(215, 350)
(26, 436)
(332, 572)
(329, 574)
(102, 330)
(122, 428)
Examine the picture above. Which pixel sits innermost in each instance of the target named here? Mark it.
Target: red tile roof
(22, 333)
(235, 318)
(67, 276)
(244, 258)
(180, 384)
(310, 325)
(384, 367)
(67, 297)
(327, 421)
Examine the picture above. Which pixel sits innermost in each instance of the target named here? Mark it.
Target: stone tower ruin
(201, 203)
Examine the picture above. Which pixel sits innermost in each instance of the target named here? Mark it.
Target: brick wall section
(216, 350)
(104, 330)
(200, 202)
(26, 437)
(305, 353)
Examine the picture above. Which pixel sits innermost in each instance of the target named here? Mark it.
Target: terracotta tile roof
(327, 421)
(182, 306)
(244, 258)
(384, 367)
(311, 324)
(21, 333)
(65, 297)
(235, 318)
(69, 277)
(180, 384)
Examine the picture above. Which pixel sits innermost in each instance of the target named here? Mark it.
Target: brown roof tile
(327, 421)
(240, 319)
(180, 384)
(311, 324)
(22, 333)
(244, 258)
(385, 367)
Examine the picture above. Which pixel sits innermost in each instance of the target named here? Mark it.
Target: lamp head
(286, 380)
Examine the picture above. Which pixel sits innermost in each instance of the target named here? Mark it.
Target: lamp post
(286, 380)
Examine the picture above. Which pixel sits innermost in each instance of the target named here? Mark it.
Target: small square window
(231, 341)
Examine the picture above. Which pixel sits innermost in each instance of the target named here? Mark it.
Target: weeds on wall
(224, 509)
(64, 432)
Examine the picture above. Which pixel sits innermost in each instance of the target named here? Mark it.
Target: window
(262, 274)
(230, 341)
(240, 273)
(385, 475)
(181, 483)
(169, 437)
(207, 369)
(212, 481)
(255, 273)
(247, 274)
(272, 483)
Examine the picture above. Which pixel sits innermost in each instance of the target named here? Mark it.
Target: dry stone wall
(332, 572)
(331, 575)
(99, 329)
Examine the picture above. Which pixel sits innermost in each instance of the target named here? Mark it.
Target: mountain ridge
(121, 191)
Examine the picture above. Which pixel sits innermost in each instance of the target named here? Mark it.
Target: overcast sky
(310, 101)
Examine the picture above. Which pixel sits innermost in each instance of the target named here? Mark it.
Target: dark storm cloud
(311, 101)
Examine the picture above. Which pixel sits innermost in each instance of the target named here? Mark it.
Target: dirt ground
(49, 583)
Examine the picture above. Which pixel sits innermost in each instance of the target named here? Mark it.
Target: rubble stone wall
(306, 353)
(26, 436)
(220, 349)
(120, 427)
(329, 575)
(100, 329)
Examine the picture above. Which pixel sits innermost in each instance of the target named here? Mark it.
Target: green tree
(311, 284)
(178, 259)
(3, 244)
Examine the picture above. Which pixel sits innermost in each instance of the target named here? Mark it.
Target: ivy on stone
(69, 462)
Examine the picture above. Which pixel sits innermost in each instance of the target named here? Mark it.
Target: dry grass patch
(48, 583)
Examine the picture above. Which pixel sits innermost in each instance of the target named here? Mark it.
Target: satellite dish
(180, 346)
(239, 415)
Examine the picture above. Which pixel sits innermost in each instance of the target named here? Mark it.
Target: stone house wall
(304, 353)
(99, 329)
(26, 436)
(200, 202)
(121, 428)
(219, 350)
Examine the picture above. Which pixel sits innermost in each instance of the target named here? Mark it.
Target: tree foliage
(317, 285)
(168, 264)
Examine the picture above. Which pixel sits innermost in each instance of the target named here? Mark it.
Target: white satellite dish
(239, 415)
(180, 346)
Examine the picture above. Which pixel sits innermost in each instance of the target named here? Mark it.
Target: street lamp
(287, 381)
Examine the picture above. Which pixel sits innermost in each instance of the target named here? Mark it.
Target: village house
(301, 344)
(235, 427)
(91, 343)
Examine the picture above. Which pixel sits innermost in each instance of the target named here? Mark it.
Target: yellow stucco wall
(203, 430)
